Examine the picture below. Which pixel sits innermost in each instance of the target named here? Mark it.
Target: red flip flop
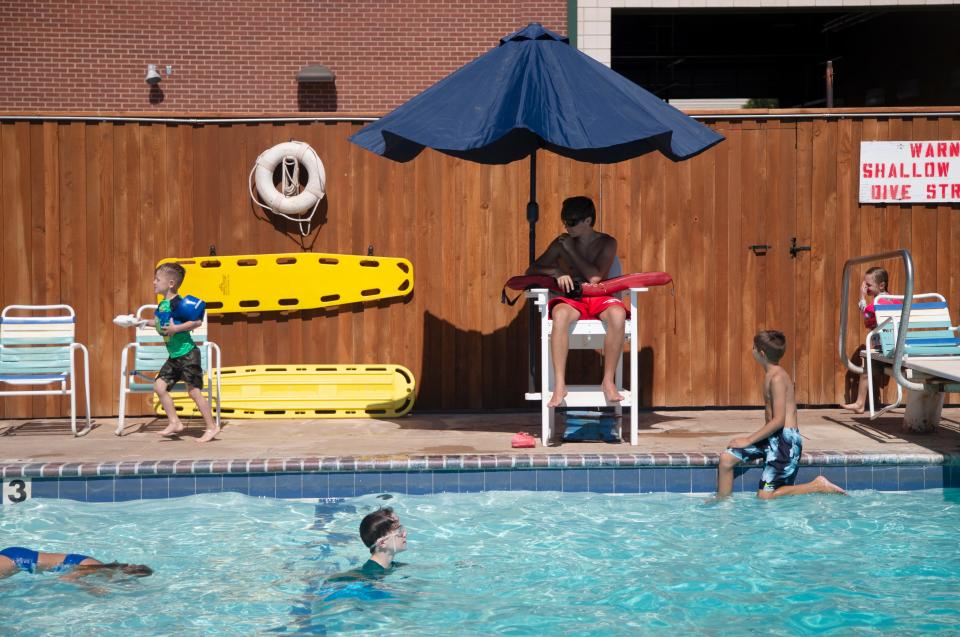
(523, 440)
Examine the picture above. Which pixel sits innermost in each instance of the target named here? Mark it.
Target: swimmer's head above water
(382, 531)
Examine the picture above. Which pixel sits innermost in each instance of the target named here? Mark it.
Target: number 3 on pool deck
(16, 490)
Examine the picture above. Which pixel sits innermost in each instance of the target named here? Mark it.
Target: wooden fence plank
(737, 343)
(803, 207)
(101, 337)
(718, 270)
(753, 295)
(847, 234)
(949, 232)
(19, 284)
(823, 239)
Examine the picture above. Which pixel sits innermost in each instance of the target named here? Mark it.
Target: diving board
(931, 351)
(937, 371)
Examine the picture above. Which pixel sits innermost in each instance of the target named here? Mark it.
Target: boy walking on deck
(184, 361)
(778, 442)
(585, 255)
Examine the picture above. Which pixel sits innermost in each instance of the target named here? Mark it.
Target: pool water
(511, 563)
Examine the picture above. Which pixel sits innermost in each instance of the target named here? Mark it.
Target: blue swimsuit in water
(26, 560)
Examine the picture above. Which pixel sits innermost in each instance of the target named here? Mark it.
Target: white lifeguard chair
(586, 334)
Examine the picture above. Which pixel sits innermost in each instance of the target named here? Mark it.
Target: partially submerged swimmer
(14, 559)
(383, 534)
(778, 442)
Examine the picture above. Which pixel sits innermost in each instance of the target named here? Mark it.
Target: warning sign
(909, 172)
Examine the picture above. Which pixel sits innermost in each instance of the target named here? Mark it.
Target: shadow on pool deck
(447, 433)
(887, 429)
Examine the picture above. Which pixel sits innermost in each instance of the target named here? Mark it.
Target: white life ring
(298, 207)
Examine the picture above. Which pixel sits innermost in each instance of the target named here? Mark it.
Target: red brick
(60, 56)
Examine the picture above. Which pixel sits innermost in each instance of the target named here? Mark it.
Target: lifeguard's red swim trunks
(589, 307)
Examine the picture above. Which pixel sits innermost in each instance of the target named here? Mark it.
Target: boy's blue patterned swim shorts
(781, 454)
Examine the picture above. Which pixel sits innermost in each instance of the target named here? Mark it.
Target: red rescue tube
(603, 288)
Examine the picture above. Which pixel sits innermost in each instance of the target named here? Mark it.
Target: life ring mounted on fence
(290, 201)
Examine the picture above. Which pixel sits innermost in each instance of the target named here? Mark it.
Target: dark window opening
(885, 57)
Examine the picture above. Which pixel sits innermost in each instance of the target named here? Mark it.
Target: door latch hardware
(759, 249)
(794, 248)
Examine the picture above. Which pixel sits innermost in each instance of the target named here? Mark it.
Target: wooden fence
(90, 206)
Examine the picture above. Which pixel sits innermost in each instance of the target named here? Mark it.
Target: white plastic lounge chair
(586, 335)
(932, 346)
(149, 355)
(37, 343)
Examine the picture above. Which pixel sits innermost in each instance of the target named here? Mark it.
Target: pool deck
(698, 432)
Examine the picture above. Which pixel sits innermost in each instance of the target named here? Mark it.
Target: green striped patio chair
(37, 345)
(149, 355)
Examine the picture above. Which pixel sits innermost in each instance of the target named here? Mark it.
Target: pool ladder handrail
(904, 313)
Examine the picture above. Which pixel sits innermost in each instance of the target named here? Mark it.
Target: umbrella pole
(533, 213)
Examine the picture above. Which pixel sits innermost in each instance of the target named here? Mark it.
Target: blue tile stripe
(346, 484)
(341, 477)
(381, 464)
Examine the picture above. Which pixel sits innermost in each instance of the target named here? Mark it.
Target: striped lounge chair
(37, 343)
(931, 339)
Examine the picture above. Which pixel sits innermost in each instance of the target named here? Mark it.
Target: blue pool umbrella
(536, 91)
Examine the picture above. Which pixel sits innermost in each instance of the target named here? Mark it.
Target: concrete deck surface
(444, 433)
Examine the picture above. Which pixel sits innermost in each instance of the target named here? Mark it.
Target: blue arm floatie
(190, 308)
(182, 310)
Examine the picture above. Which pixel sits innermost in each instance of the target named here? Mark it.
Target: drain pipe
(829, 83)
(572, 22)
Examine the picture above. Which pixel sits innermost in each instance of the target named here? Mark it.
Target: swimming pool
(518, 563)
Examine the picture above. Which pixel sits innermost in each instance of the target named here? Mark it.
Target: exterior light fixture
(316, 73)
(153, 77)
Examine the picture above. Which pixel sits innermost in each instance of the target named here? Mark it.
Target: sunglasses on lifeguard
(571, 222)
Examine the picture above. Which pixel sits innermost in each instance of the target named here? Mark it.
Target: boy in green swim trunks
(184, 361)
(778, 442)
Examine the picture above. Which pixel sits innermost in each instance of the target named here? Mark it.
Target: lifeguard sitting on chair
(586, 256)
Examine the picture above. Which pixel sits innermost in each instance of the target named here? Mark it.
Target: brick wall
(243, 55)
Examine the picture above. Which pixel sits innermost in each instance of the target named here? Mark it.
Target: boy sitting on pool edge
(778, 442)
